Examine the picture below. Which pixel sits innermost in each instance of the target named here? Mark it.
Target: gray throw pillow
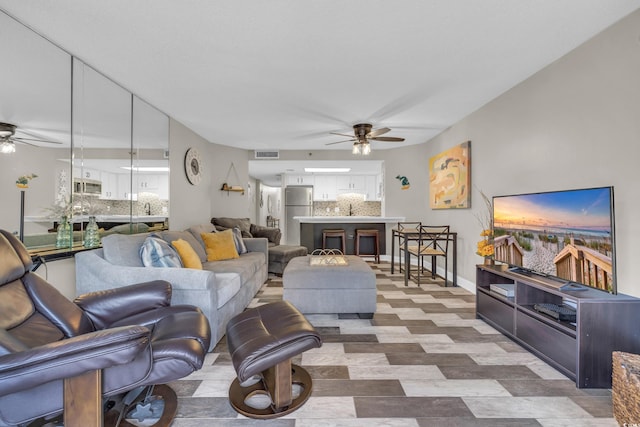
(197, 230)
(186, 235)
(237, 239)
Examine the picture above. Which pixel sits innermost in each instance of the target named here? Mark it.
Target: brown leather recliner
(114, 341)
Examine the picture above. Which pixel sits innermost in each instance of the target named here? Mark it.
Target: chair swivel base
(276, 384)
(115, 406)
(160, 392)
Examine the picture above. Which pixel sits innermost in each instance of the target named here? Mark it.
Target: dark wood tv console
(580, 350)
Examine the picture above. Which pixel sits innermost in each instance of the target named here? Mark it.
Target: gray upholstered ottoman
(280, 255)
(347, 288)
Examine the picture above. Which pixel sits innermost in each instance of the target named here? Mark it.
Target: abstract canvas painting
(450, 178)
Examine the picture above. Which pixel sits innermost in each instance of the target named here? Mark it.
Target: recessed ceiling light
(327, 170)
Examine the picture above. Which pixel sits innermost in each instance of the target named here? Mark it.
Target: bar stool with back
(335, 233)
(433, 241)
(373, 233)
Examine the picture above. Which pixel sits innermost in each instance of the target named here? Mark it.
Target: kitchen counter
(311, 230)
(349, 219)
(103, 218)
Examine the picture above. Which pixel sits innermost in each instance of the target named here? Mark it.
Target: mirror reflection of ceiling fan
(362, 134)
(8, 138)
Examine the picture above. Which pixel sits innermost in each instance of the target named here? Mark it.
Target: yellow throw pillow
(188, 255)
(220, 245)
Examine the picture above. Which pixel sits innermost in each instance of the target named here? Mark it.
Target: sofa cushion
(155, 252)
(123, 249)
(237, 239)
(219, 246)
(196, 243)
(244, 224)
(197, 231)
(273, 234)
(188, 255)
(232, 273)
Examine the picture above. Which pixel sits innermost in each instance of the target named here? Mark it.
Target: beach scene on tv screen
(567, 234)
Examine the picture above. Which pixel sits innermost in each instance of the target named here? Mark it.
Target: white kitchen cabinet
(371, 192)
(299, 179)
(325, 188)
(109, 186)
(124, 187)
(148, 183)
(351, 184)
(163, 187)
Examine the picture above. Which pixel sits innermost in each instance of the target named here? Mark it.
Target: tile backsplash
(346, 203)
(92, 205)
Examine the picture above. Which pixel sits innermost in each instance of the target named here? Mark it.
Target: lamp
(362, 148)
(7, 147)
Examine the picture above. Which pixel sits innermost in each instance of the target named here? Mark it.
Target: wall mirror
(112, 165)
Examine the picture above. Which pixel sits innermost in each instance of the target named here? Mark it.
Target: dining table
(406, 235)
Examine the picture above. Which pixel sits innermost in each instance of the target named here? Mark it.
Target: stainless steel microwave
(87, 186)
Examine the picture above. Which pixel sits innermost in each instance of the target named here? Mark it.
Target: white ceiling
(284, 74)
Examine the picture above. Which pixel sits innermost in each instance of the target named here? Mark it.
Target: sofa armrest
(273, 234)
(71, 357)
(258, 244)
(111, 305)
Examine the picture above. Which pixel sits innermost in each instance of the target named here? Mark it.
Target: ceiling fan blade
(14, 140)
(378, 132)
(340, 142)
(387, 138)
(341, 134)
(23, 139)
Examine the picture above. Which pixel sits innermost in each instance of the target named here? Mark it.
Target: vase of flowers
(485, 246)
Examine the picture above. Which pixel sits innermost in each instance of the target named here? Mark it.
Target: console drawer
(496, 311)
(549, 341)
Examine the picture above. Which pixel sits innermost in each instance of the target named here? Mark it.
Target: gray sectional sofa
(222, 289)
(279, 255)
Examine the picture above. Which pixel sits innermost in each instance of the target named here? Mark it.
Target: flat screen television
(565, 235)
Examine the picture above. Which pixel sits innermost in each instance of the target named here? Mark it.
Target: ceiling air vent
(267, 154)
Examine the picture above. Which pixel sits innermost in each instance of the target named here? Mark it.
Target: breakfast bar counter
(311, 230)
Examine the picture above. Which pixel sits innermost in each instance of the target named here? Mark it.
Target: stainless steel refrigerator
(298, 201)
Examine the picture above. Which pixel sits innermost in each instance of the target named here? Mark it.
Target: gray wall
(196, 204)
(574, 124)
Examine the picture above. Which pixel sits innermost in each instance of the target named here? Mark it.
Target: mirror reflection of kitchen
(118, 166)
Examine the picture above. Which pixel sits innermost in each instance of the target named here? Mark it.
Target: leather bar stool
(363, 233)
(340, 233)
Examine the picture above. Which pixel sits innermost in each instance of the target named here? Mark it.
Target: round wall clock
(193, 166)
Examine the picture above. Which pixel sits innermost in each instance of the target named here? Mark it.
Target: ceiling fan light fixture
(7, 147)
(361, 148)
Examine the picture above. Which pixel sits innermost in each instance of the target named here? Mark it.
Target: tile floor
(423, 360)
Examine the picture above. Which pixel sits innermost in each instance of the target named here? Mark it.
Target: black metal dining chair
(433, 242)
(406, 229)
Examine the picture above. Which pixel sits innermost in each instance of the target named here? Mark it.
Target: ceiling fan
(8, 139)
(362, 134)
